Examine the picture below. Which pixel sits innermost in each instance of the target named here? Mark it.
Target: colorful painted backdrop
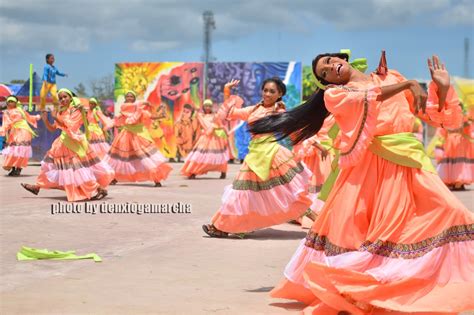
(171, 84)
(176, 83)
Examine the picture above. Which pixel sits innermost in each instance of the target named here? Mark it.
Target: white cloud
(143, 46)
(160, 25)
(461, 13)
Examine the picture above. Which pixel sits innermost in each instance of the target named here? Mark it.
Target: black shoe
(193, 176)
(17, 172)
(12, 172)
(223, 174)
(158, 184)
(113, 182)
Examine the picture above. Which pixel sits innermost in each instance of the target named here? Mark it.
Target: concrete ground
(152, 263)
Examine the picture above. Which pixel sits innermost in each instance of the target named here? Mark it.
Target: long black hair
(303, 121)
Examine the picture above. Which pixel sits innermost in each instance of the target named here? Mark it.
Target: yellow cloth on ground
(29, 253)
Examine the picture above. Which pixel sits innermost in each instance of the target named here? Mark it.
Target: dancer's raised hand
(438, 71)
(440, 77)
(232, 84)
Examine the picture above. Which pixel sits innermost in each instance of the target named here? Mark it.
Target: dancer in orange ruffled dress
(96, 134)
(186, 132)
(17, 129)
(71, 164)
(210, 153)
(271, 187)
(318, 154)
(133, 154)
(456, 165)
(391, 238)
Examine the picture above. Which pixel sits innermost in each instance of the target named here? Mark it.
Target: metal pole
(209, 25)
(466, 57)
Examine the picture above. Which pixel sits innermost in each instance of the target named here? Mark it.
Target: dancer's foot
(192, 176)
(17, 172)
(459, 187)
(223, 174)
(34, 189)
(212, 231)
(311, 214)
(12, 172)
(158, 184)
(101, 193)
(113, 182)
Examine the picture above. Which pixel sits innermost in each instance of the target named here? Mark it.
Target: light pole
(209, 25)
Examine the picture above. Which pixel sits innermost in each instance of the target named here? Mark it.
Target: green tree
(17, 81)
(103, 88)
(80, 90)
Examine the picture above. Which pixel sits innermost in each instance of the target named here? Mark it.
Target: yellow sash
(78, 147)
(23, 124)
(260, 156)
(220, 133)
(402, 149)
(139, 130)
(95, 128)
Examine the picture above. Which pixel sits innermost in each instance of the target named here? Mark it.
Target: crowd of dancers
(386, 235)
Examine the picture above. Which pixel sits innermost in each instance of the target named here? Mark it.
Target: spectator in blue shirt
(49, 81)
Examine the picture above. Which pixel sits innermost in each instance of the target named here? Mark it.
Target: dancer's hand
(440, 77)
(324, 154)
(438, 71)
(419, 96)
(232, 84)
(44, 115)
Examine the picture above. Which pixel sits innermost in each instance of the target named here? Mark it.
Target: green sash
(95, 128)
(471, 140)
(327, 186)
(23, 124)
(331, 179)
(402, 149)
(327, 144)
(220, 133)
(28, 253)
(78, 147)
(139, 130)
(261, 153)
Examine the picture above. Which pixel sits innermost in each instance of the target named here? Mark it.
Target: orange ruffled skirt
(99, 144)
(457, 164)
(389, 237)
(251, 203)
(210, 154)
(18, 150)
(79, 177)
(136, 159)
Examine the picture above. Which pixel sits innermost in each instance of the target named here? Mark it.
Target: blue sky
(88, 37)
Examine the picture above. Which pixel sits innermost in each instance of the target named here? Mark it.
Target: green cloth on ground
(29, 253)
